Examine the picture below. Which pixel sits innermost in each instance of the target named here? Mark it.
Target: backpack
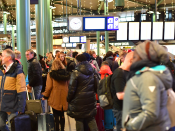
(104, 93)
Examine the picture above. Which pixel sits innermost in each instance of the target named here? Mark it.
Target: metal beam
(85, 9)
(138, 2)
(159, 2)
(99, 8)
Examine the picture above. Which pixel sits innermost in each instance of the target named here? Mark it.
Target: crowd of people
(139, 83)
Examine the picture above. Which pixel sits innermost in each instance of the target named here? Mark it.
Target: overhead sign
(112, 23)
(94, 23)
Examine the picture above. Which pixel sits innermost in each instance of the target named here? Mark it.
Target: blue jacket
(12, 89)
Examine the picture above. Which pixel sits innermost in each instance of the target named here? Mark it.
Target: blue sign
(112, 23)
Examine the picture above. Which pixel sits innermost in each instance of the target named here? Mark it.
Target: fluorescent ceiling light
(52, 7)
(108, 0)
(6, 12)
(150, 12)
(158, 13)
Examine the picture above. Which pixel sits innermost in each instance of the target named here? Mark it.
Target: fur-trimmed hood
(60, 75)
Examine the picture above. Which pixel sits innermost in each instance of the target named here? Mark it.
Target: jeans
(59, 119)
(118, 116)
(90, 121)
(3, 117)
(37, 92)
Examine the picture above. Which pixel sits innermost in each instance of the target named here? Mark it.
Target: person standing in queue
(118, 83)
(12, 91)
(62, 58)
(112, 64)
(56, 92)
(145, 98)
(81, 95)
(34, 74)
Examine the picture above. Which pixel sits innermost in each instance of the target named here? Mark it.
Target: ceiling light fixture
(5, 12)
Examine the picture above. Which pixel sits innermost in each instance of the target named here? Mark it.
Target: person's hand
(123, 129)
(29, 87)
(43, 99)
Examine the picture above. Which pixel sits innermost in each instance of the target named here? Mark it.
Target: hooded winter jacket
(112, 64)
(57, 89)
(105, 69)
(13, 89)
(145, 100)
(81, 95)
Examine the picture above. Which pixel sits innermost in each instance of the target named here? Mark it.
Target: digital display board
(157, 30)
(122, 32)
(83, 39)
(94, 24)
(74, 39)
(133, 30)
(63, 45)
(68, 44)
(169, 31)
(112, 23)
(145, 30)
(74, 44)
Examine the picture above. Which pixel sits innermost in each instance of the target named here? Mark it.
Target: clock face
(66, 39)
(75, 23)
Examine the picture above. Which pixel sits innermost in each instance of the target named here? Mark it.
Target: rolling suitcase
(46, 122)
(33, 105)
(100, 118)
(33, 120)
(21, 123)
(109, 119)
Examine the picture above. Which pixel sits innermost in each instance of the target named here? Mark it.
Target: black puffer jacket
(34, 73)
(81, 95)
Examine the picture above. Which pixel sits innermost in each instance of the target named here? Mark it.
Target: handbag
(171, 106)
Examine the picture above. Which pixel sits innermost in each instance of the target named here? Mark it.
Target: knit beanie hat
(81, 58)
(152, 51)
(87, 56)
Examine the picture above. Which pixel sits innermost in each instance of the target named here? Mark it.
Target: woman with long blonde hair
(62, 58)
(49, 60)
(56, 92)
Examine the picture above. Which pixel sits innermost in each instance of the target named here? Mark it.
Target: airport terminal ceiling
(88, 7)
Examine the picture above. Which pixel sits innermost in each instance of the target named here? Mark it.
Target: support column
(98, 42)
(48, 35)
(87, 45)
(13, 38)
(106, 32)
(40, 27)
(44, 19)
(37, 17)
(23, 29)
(51, 32)
(5, 22)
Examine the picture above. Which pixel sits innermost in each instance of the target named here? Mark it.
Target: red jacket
(105, 69)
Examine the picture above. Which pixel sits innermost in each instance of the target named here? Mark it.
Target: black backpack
(104, 93)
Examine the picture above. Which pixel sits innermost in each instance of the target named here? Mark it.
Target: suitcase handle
(32, 93)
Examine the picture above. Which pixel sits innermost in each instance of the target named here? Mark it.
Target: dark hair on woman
(109, 53)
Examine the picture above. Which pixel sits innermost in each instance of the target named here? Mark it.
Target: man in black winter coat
(34, 73)
(70, 62)
(81, 95)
